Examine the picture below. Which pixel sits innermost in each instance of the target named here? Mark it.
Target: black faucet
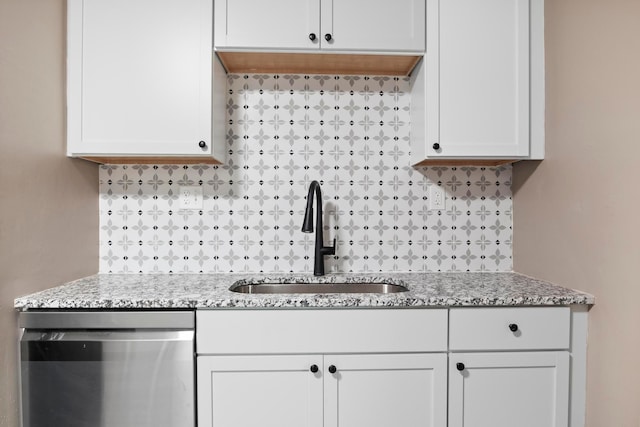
(307, 227)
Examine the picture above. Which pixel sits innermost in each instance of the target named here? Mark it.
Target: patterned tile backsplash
(349, 133)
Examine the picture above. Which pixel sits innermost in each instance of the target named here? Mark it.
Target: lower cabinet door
(524, 389)
(265, 391)
(383, 390)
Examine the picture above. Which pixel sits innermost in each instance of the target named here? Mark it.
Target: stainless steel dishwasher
(107, 369)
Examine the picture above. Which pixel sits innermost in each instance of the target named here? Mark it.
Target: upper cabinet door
(483, 55)
(480, 89)
(140, 78)
(274, 24)
(373, 25)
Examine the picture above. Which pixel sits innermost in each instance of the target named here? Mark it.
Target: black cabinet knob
(202, 144)
(312, 37)
(436, 146)
(332, 369)
(314, 368)
(327, 37)
(513, 327)
(460, 366)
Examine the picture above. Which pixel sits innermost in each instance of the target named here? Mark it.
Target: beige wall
(48, 203)
(577, 213)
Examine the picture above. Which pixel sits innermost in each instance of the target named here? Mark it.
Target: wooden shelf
(152, 160)
(461, 162)
(317, 63)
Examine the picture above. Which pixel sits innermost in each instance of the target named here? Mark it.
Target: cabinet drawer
(320, 331)
(491, 328)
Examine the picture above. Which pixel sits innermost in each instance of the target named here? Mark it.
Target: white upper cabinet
(479, 92)
(366, 25)
(143, 80)
(274, 24)
(309, 25)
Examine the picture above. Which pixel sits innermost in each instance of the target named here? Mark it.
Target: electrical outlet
(191, 198)
(437, 198)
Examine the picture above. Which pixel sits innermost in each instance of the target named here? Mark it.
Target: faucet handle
(329, 250)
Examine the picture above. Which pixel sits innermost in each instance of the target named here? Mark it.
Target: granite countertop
(161, 291)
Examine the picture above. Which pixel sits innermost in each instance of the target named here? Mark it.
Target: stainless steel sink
(317, 288)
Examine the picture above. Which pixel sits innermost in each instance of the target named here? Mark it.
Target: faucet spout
(307, 227)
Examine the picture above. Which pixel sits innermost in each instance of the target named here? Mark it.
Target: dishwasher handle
(100, 346)
(107, 320)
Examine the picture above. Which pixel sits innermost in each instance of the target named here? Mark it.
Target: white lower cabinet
(457, 367)
(249, 391)
(509, 366)
(322, 368)
(381, 390)
(524, 389)
(314, 390)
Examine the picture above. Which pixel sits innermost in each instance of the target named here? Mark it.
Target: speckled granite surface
(212, 291)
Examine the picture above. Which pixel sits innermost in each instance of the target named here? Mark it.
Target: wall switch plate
(191, 198)
(437, 198)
